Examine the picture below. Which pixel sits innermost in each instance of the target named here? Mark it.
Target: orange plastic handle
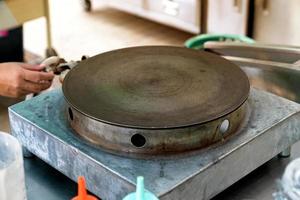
(82, 193)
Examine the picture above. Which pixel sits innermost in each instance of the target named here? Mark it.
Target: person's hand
(19, 79)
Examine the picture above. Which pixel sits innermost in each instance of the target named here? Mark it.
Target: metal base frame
(41, 126)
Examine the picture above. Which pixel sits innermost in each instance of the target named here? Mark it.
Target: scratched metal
(172, 99)
(40, 124)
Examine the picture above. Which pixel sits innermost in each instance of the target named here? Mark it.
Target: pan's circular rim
(222, 114)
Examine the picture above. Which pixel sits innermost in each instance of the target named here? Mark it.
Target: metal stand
(285, 153)
(27, 153)
(43, 128)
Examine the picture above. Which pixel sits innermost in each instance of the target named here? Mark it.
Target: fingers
(35, 81)
(37, 77)
(27, 87)
(30, 87)
(16, 93)
(32, 67)
(20, 79)
(21, 93)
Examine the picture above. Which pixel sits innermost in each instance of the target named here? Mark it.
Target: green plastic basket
(198, 41)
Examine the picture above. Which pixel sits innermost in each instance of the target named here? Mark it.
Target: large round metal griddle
(153, 90)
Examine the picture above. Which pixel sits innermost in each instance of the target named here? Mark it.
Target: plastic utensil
(12, 182)
(289, 185)
(82, 193)
(141, 193)
(198, 41)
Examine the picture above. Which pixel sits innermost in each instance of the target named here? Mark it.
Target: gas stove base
(41, 126)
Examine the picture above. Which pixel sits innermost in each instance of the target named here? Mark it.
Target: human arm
(19, 79)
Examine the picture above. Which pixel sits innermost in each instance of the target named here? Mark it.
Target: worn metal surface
(156, 87)
(41, 126)
(43, 180)
(271, 68)
(155, 142)
(155, 100)
(256, 51)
